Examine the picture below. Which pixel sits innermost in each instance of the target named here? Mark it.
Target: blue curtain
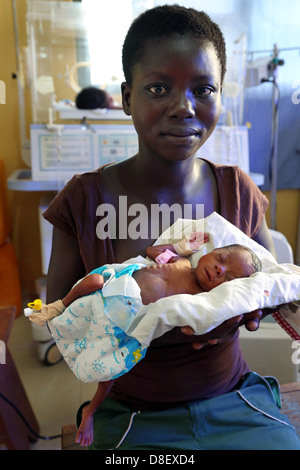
(272, 22)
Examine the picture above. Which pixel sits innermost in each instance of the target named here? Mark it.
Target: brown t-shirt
(172, 371)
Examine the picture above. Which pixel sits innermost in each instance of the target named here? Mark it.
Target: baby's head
(167, 20)
(93, 98)
(226, 264)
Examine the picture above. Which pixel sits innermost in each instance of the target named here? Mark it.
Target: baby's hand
(197, 239)
(191, 243)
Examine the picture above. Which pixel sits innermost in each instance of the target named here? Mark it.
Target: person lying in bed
(171, 275)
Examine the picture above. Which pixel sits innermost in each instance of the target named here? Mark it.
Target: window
(107, 24)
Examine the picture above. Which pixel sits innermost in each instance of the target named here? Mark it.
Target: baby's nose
(220, 269)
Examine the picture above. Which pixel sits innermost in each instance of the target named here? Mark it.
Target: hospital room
(144, 139)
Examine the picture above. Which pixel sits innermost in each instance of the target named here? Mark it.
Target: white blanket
(277, 284)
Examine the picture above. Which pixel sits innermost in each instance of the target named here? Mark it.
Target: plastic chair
(283, 249)
(10, 286)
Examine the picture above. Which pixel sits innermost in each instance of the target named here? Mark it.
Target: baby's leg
(85, 432)
(85, 435)
(87, 285)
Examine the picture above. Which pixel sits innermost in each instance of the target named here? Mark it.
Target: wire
(127, 430)
(46, 438)
(276, 109)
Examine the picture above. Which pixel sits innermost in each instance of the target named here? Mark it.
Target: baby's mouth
(207, 274)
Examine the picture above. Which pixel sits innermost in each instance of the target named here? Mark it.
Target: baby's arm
(185, 247)
(154, 251)
(87, 285)
(84, 435)
(191, 243)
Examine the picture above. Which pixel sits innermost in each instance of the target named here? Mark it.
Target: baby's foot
(85, 435)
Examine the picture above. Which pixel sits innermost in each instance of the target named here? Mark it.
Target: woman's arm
(65, 267)
(264, 238)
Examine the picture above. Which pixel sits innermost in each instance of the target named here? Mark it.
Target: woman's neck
(166, 175)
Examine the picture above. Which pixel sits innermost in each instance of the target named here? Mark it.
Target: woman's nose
(182, 106)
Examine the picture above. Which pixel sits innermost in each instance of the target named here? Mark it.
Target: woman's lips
(182, 132)
(186, 138)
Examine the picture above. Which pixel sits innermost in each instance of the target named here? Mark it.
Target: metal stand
(273, 71)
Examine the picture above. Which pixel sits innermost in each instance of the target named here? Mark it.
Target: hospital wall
(24, 205)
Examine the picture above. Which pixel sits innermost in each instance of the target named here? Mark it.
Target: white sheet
(275, 285)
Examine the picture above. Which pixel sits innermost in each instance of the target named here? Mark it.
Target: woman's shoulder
(232, 176)
(84, 183)
(224, 169)
(91, 175)
(241, 201)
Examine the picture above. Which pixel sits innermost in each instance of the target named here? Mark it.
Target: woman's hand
(227, 329)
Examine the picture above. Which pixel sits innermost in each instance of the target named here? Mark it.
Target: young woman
(178, 397)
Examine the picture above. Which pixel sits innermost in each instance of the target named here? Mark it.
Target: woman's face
(223, 265)
(175, 97)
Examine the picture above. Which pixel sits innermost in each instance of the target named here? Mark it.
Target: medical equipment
(260, 71)
(33, 307)
(47, 351)
(268, 350)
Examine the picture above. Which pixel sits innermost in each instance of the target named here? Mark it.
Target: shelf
(20, 180)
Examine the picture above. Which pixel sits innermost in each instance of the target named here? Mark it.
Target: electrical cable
(46, 438)
(276, 108)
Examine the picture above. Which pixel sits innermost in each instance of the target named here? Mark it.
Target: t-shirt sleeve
(74, 211)
(241, 202)
(64, 208)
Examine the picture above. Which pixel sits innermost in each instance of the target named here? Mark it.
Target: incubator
(58, 59)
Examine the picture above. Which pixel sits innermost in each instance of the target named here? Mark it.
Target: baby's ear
(126, 98)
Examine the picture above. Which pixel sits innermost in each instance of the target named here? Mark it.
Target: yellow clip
(36, 305)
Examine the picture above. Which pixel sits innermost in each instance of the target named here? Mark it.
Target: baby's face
(223, 265)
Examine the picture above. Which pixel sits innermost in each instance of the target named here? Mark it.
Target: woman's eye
(157, 89)
(204, 91)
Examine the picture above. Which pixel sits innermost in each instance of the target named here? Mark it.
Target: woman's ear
(126, 95)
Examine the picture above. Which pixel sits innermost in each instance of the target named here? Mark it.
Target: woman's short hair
(162, 21)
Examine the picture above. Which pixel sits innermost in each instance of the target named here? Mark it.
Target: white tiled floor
(53, 391)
